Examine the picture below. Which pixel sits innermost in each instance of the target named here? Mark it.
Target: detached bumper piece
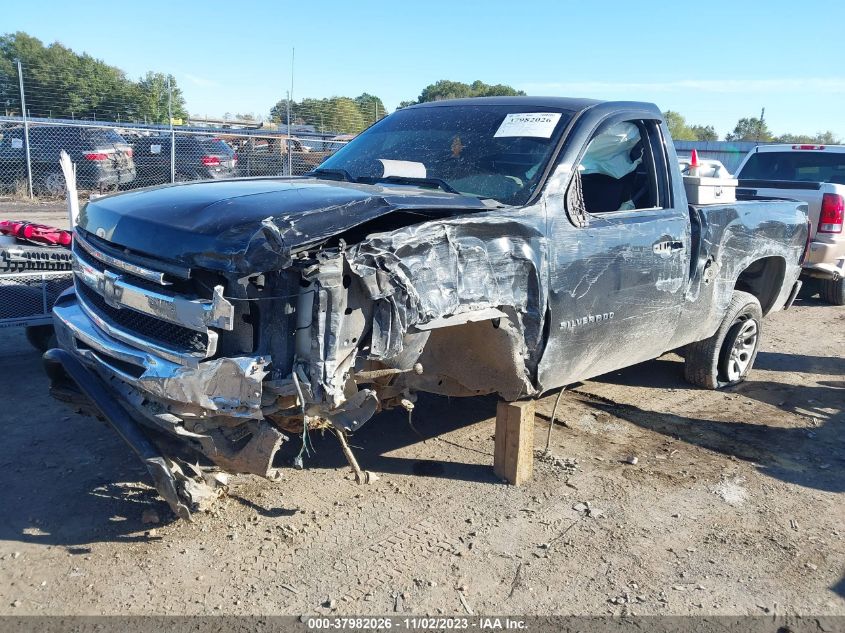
(117, 417)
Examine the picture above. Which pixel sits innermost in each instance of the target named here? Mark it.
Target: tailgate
(809, 192)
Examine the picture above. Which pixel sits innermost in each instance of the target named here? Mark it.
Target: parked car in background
(814, 174)
(103, 158)
(196, 158)
(268, 156)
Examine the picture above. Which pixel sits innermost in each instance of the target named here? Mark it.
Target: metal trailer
(26, 300)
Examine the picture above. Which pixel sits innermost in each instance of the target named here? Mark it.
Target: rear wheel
(52, 184)
(726, 357)
(833, 291)
(809, 288)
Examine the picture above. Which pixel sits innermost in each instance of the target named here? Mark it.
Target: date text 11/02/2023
(417, 623)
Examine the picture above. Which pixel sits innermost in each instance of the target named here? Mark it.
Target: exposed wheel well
(763, 279)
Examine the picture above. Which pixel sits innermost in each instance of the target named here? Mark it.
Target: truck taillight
(833, 210)
(808, 147)
(96, 156)
(210, 161)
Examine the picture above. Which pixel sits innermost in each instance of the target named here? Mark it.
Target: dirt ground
(734, 505)
(52, 212)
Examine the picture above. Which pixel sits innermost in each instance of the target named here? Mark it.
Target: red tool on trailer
(35, 263)
(35, 233)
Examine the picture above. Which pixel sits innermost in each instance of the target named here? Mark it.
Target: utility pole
(172, 133)
(760, 126)
(290, 96)
(25, 129)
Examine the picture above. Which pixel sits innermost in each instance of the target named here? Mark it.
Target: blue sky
(713, 61)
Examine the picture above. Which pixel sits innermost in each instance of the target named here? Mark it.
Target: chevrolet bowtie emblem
(110, 290)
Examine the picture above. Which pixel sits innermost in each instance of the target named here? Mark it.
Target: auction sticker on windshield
(539, 124)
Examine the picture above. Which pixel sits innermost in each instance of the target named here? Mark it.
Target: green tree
(447, 89)
(750, 129)
(681, 131)
(59, 82)
(794, 138)
(704, 132)
(678, 127)
(372, 108)
(152, 98)
(278, 113)
(340, 115)
(827, 138)
(822, 138)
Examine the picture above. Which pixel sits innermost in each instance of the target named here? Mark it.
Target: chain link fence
(115, 147)
(111, 157)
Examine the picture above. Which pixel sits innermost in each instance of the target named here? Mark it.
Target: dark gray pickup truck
(499, 245)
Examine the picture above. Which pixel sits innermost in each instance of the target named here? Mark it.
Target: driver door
(619, 256)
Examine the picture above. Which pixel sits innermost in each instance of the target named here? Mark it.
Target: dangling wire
(552, 420)
(298, 461)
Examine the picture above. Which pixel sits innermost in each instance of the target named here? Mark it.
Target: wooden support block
(513, 455)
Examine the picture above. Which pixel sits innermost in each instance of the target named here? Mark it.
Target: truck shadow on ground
(388, 432)
(667, 372)
(67, 479)
(809, 456)
(810, 400)
(70, 481)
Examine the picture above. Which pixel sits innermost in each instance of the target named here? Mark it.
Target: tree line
(61, 83)
(349, 116)
(746, 129)
(343, 115)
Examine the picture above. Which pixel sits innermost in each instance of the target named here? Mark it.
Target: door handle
(667, 247)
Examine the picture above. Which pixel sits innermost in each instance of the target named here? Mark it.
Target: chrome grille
(161, 332)
(153, 311)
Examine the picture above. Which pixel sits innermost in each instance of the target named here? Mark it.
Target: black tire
(833, 291)
(51, 184)
(726, 357)
(809, 288)
(41, 337)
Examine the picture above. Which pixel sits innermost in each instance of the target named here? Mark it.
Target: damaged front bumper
(225, 386)
(213, 407)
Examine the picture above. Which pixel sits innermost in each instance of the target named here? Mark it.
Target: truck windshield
(497, 151)
(804, 166)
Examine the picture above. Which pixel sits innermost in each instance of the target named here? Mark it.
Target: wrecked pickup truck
(498, 245)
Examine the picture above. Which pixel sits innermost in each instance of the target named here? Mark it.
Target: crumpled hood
(250, 225)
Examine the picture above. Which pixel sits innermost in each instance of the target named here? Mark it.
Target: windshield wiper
(331, 174)
(410, 180)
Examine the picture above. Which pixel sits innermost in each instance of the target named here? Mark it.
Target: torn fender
(391, 297)
(420, 274)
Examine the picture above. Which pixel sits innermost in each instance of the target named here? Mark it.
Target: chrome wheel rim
(742, 350)
(54, 184)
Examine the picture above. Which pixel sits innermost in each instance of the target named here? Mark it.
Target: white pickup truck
(814, 174)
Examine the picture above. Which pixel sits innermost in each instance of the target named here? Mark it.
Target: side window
(622, 169)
